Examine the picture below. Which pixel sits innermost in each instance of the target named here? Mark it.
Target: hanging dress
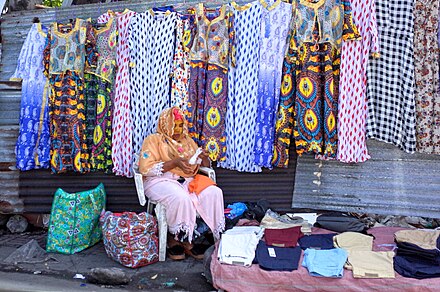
(180, 70)
(390, 79)
(320, 29)
(273, 41)
(426, 65)
(210, 56)
(33, 144)
(352, 105)
(151, 43)
(243, 89)
(285, 116)
(99, 95)
(122, 127)
(64, 59)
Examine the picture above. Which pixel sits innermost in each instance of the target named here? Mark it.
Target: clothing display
(390, 79)
(273, 35)
(122, 126)
(426, 61)
(98, 95)
(250, 79)
(319, 39)
(33, 143)
(415, 268)
(64, 60)
(151, 44)
(210, 56)
(243, 89)
(352, 104)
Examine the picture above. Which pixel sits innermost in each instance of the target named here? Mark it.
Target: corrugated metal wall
(37, 187)
(392, 182)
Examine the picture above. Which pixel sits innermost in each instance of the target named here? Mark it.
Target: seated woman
(164, 163)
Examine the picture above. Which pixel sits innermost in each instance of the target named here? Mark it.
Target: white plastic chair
(159, 208)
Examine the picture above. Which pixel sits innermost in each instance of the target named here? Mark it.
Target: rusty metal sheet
(392, 182)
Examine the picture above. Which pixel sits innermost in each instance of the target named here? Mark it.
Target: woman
(164, 163)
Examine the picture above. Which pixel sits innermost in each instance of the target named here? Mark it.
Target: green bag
(74, 220)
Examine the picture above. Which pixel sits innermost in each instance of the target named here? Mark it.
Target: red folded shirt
(287, 237)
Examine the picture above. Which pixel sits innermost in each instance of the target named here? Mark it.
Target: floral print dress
(99, 95)
(318, 40)
(64, 60)
(210, 56)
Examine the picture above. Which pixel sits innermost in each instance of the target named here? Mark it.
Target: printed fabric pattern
(210, 55)
(273, 42)
(316, 102)
(130, 239)
(33, 143)
(122, 127)
(352, 105)
(426, 58)
(151, 43)
(391, 101)
(243, 90)
(74, 220)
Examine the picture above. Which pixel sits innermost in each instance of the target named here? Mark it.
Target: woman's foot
(196, 251)
(176, 253)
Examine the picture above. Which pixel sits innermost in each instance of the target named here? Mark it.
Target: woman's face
(178, 129)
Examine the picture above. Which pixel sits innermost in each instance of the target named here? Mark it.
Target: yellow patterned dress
(209, 56)
(64, 58)
(317, 32)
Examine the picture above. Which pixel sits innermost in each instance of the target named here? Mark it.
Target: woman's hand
(183, 164)
(205, 158)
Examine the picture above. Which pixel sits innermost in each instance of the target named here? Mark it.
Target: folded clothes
(408, 250)
(325, 263)
(424, 238)
(371, 264)
(317, 241)
(412, 267)
(287, 237)
(353, 241)
(274, 258)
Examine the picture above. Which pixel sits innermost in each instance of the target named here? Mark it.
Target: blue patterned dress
(33, 143)
(273, 41)
(243, 89)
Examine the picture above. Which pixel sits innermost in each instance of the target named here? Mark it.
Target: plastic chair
(158, 207)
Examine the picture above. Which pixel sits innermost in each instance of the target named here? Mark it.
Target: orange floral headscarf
(161, 147)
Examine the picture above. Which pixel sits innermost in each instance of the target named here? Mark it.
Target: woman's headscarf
(161, 147)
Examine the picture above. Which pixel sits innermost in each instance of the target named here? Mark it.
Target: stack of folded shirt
(273, 258)
(418, 254)
(325, 263)
(274, 220)
(287, 237)
(364, 262)
(317, 241)
(237, 245)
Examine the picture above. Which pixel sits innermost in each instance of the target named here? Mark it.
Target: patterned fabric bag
(74, 220)
(130, 238)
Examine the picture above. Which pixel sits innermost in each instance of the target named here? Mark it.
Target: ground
(57, 274)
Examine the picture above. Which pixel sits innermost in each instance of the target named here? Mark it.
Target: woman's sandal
(176, 253)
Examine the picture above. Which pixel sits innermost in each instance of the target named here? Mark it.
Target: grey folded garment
(273, 220)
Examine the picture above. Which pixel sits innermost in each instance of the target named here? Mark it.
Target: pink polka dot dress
(352, 109)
